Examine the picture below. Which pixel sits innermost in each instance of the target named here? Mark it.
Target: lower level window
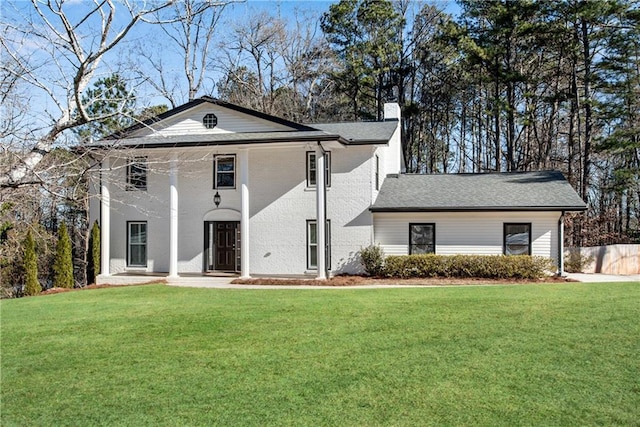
(312, 244)
(517, 238)
(137, 244)
(422, 238)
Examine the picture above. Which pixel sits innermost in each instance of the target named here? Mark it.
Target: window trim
(146, 244)
(327, 244)
(433, 225)
(504, 236)
(327, 169)
(216, 158)
(205, 121)
(137, 182)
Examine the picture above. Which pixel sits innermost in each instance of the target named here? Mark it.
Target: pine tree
(32, 285)
(94, 260)
(63, 264)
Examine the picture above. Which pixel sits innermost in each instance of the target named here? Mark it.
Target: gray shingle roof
(346, 133)
(544, 190)
(360, 132)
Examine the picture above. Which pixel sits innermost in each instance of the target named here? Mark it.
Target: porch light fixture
(217, 199)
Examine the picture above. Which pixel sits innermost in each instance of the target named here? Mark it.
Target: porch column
(244, 213)
(321, 219)
(173, 219)
(105, 220)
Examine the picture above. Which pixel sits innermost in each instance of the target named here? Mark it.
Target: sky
(37, 49)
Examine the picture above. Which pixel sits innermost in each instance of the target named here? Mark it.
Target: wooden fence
(612, 259)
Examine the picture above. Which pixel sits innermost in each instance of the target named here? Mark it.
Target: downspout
(320, 175)
(561, 244)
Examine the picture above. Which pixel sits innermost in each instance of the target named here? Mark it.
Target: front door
(222, 245)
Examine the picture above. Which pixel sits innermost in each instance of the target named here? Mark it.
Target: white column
(173, 221)
(244, 213)
(105, 220)
(321, 219)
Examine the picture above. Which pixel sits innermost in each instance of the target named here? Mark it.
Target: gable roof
(542, 191)
(355, 133)
(205, 99)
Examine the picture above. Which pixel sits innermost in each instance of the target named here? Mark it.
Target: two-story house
(211, 187)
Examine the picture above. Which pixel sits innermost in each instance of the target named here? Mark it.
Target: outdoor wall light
(217, 199)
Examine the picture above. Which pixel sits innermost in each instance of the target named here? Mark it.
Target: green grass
(505, 355)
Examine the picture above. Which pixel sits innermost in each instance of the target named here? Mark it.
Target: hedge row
(481, 266)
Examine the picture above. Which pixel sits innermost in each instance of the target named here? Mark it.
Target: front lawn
(562, 354)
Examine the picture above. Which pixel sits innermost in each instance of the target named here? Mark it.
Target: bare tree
(56, 49)
(192, 36)
(279, 68)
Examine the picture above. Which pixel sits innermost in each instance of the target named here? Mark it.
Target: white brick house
(212, 187)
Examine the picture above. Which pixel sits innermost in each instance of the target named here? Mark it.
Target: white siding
(280, 204)
(478, 233)
(190, 122)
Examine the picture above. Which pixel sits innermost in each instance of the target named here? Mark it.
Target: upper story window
(517, 238)
(311, 169)
(422, 238)
(210, 121)
(224, 171)
(137, 174)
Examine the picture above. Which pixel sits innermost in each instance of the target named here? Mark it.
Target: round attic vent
(210, 121)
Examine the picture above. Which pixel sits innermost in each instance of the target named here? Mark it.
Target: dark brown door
(225, 244)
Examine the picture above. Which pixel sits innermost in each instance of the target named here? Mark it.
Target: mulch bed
(362, 280)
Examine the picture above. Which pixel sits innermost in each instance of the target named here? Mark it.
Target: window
(377, 172)
(224, 169)
(210, 121)
(422, 238)
(517, 238)
(136, 244)
(311, 169)
(137, 174)
(312, 244)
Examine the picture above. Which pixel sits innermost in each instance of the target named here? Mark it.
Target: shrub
(372, 259)
(32, 285)
(94, 253)
(576, 262)
(63, 263)
(481, 266)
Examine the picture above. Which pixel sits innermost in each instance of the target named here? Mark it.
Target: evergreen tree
(111, 104)
(365, 36)
(32, 285)
(94, 254)
(63, 264)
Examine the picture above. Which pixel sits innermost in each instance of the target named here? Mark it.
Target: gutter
(481, 209)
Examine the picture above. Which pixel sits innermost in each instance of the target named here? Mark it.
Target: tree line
(513, 85)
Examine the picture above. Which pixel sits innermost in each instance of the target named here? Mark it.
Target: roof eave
(365, 142)
(121, 144)
(480, 209)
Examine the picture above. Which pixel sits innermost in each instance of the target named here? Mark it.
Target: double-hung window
(517, 238)
(224, 171)
(137, 174)
(422, 238)
(312, 244)
(137, 243)
(312, 168)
